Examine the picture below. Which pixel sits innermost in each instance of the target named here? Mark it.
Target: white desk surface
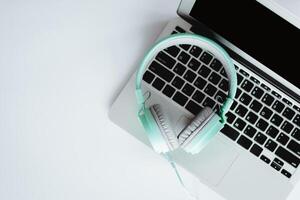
(62, 63)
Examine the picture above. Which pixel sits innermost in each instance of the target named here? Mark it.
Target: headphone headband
(228, 66)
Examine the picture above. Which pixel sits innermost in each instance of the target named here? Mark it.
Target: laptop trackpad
(211, 164)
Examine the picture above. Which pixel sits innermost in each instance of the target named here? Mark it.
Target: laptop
(257, 154)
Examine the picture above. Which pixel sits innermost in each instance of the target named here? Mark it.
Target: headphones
(206, 124)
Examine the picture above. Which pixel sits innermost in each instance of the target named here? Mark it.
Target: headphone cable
(179, 177)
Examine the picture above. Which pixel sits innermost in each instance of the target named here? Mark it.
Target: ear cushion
(163, 125)
(199, 121)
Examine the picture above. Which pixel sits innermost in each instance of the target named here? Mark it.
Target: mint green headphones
(206, 124)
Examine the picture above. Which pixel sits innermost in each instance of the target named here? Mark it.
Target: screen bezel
(186, 6)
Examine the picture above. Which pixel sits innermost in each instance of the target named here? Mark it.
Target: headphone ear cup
(199, 121)
(152, 131)
(163, 125)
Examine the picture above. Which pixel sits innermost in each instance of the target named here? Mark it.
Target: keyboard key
(179, 69)
(230, 117)
(255, 106)
(214, 78)
(254, 80)
(233, 106)
(294, 147)
(286, 173)
(180, 98)
(272, 131)
(184, 57)
(173, 50)
(268, 99)
(245, 99)
(287, 127)
(257, 92)
(262, 124)
(168, 91)
(296, 134)
(265, 159)
(239, 124)
(198, 96)
(276, 94)
(244, 142)
(287, 156)
(278, 106)
(179, 29)
(251, 117)
(223, 73)
(247, 85)
(282, 139)
(189, 76)
(260, 138)
(238, 93)
(210, 90)
(165, 59)
(206, 58)
(204, 71)
(266, 113)
(288, 113)
(185, 46)
(239, 78)
(220, 96)
(241, 110)
(158, 83)
(276, 119)
(224, 85)
(244, 73)
(271, 145)
(250, 131)
(194, 64)
(287, 102)
(230, 132)
(148, 77)
(188, 89)
(216, 65)
(275, 166)
(177, 82)
(265, 87)
(161, 71)
(256, 150)
(296, 120)
(193, 107)
(278, 162)
(296, 108)
(196, 51)
(209, 102)
(200, 83)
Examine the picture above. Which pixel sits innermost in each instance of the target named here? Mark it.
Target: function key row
(196, 51)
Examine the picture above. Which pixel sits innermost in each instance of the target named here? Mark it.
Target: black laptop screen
(256, 30)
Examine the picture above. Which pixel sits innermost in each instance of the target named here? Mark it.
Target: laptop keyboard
(260, 120)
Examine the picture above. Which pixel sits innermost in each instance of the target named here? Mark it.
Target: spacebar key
(288, 157)
(230, 132)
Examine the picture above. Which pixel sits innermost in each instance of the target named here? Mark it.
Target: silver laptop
(257, 154)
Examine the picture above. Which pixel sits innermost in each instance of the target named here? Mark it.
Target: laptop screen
(257, 31)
